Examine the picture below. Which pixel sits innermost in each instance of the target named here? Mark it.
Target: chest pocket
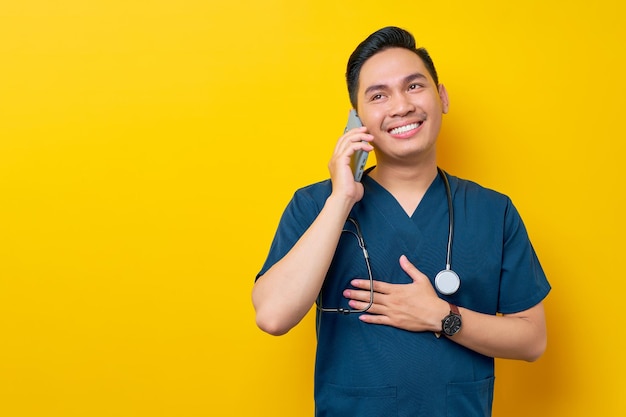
(470, 399)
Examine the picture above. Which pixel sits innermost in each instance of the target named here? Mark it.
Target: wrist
(340, 203)
(443, 309)
(451, 323)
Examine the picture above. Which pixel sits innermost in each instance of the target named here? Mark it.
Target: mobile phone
(359, 158)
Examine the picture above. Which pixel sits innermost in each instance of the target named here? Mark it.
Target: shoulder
(482, 202)
(303, 208)
(318, 190)
(308, 201)
(486, 205)
(315, 194)
(473, 192)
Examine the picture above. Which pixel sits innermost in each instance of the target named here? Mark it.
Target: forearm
(285, 293)
(515, 336)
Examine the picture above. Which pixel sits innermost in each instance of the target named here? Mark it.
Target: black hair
(382, 39)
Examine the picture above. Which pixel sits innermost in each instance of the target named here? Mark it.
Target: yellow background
(148, 148)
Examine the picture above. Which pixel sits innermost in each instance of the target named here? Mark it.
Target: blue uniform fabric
(380, 371)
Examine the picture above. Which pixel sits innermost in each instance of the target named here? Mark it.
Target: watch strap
(454, 309)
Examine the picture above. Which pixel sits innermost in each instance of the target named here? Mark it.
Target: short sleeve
(523, 283)
(301, 211)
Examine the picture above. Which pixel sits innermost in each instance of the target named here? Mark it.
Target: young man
(398, 333)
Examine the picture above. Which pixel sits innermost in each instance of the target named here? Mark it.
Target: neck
(407, 184)
(407, 178)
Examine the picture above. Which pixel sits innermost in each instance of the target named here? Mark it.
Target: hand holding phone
(359, 158)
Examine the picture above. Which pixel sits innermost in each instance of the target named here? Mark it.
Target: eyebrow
(407, 79)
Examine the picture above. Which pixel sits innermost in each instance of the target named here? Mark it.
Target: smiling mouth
(405, 128)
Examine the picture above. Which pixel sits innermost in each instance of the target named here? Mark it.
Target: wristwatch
(451, 324)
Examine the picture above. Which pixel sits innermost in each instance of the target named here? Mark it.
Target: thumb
(409, 268)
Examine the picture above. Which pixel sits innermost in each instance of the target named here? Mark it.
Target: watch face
(451, 324)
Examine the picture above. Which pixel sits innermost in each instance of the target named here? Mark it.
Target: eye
(415, 86)
(376, 97)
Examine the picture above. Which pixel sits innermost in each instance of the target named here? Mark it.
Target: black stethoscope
(447, 282)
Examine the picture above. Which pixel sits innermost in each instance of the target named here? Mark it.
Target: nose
(401, 105)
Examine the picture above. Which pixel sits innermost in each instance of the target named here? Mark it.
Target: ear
(443, 95)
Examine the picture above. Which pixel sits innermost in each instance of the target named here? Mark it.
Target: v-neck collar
(408, 228)
(389, 203)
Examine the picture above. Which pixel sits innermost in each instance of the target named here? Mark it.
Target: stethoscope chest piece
(447, 282)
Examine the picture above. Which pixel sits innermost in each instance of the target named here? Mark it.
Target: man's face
(401, 106)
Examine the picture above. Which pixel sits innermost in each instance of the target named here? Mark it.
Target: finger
(361, 136)
(357, 295)
(375, 319)
(356, 136)
(356, 130)
(362, 305)
(353, 141)
(353, 135)
(364, 284)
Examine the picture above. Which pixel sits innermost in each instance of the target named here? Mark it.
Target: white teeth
(403, 129)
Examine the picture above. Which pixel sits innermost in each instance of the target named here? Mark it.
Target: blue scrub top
(372, 370)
